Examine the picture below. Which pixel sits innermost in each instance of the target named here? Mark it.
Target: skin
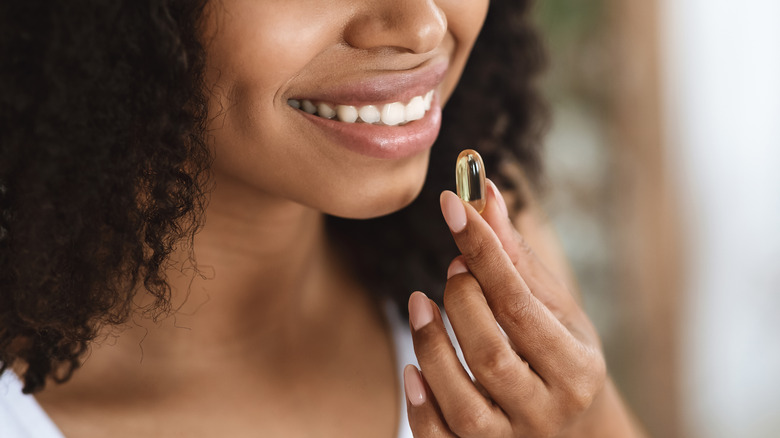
(544, 376)
(275, 338)
(272, 149)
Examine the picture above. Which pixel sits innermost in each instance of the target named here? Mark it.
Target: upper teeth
(391, 114)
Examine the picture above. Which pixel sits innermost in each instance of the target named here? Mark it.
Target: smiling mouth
(388, 114)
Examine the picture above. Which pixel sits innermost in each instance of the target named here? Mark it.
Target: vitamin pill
(470, 179)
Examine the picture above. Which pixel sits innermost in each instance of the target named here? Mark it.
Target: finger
(538, 335)
(548, 288)
(465, 410)
(543, 283)
(505, 376)
(458, 266)
(425, 418)
(587, 369)
(497, 215)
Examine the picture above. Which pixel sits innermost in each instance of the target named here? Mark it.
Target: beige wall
(610, 199)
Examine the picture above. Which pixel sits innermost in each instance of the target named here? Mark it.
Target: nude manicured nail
(420, 311)
(499, 197)
(454, 211)
(413, 384)
(456, 267)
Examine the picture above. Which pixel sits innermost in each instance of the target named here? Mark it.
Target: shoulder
(20, 414)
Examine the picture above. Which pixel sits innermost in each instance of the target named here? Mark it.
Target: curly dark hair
(104, 165)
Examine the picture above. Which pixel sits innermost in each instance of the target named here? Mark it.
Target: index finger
(537, 334)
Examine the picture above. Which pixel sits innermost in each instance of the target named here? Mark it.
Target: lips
(380, 88)
(398, 113)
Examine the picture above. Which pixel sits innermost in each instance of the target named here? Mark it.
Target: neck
(271, 322)
(259, 254)
(264, 278)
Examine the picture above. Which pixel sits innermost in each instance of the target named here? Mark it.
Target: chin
(372, 203)
(379, 192)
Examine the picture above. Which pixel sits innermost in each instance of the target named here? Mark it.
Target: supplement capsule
(470, 179)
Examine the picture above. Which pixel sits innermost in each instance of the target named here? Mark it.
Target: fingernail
(499, 197)
(413, 384)
(456, 267)
(454, 211)
(420, 311)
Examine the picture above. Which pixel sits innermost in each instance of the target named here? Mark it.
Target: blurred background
(664, 185)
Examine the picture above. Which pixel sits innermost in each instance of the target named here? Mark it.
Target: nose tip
(416, 26)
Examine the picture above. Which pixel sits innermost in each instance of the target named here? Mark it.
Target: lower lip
(379, 141)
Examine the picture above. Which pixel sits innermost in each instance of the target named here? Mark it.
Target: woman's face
(364, 60)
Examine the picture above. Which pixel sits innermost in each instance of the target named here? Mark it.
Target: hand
(538, 378)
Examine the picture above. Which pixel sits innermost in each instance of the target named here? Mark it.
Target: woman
(167, 168)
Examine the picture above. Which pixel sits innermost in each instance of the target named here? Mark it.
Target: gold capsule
(470, 179)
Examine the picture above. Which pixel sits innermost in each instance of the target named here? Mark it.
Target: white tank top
(22, 417)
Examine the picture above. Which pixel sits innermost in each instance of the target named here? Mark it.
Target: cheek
(464, 21)
(256, 47)
(465, 18)
(253, 49)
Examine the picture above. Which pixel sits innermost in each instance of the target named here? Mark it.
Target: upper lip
(381, 87)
